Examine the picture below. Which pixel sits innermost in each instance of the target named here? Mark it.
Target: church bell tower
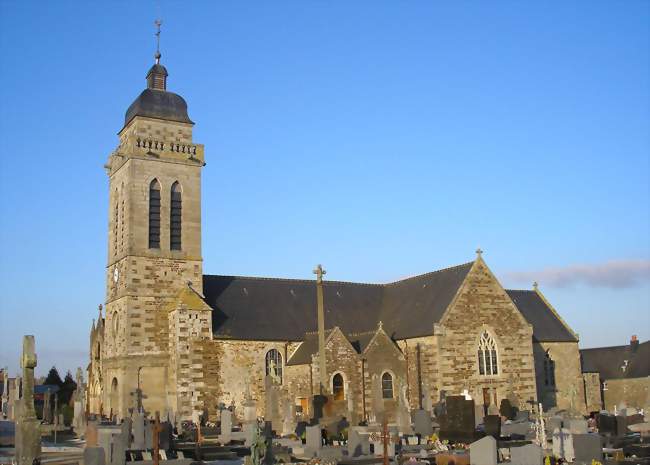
(154, 244)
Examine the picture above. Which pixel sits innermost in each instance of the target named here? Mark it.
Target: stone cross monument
(319, 272)
(28, 434)
(5, 393)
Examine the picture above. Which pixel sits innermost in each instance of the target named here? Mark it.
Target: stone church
(184, 342)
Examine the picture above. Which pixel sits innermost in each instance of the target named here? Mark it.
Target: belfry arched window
(487, 355)
(387, 386)
(549, 370)
(274, 364)
(154, 214)
(175, 217)
(338, 387)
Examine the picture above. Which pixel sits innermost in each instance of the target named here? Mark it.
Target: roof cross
(158, 23)
(319, 272)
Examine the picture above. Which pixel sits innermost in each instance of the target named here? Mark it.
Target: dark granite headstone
(457, 424)
(606, 424)
(587, 447)
(492, 426)
(269, 459)
(621, 425)
(507, 410)
(165, 436)
(300, 428)
(634, 419)
(318, 403)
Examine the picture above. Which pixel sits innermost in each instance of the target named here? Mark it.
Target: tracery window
(338, 388)
(154, 214)
(175, 214)
(387, 386)
(549, 370)
(274, 364)
(487, 355)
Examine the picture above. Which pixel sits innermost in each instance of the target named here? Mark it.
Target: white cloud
(612, 274)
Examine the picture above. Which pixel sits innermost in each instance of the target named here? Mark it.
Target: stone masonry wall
(633, 392)
(569, 385)
(383, 356)
(340, 357)
(482, 305)
(593, 395)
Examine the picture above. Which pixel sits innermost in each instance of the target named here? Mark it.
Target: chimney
(634, 343)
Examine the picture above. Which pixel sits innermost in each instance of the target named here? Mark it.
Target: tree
(53, 378)
(67, 389)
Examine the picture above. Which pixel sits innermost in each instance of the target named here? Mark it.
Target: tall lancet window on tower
(154, 214)
(175, 217)
(487, 355)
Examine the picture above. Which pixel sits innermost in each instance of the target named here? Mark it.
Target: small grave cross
(156, 440)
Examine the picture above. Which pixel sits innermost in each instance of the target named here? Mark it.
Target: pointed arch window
(387, 386)
(549, 370)
(274, 364)
(338, 387)
(487, 355)
(154, 214)
(175, 217)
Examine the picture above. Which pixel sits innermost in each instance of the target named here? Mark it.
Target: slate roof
(547, 327)
(270, 309)
(159, 104)
(303, 353)
(608, 361)
(285, 309)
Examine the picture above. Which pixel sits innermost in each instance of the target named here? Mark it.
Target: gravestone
(403, 409)
(250, 411)
(621, 425)
(606, 424)
(634, 419)
(587, 447)
(483, 451)
(79, 419)
(563, 444)
(578, 426)
(492, 426)
(457, 423)
(318, 403)
(138, 432)
(165, 436)
(28, 433)
(269, 458)
(520, 428)
(148, 435)
(523, 415)
(94, 455)
(226, 426)
(530, 454)
(249, 433)
(479, 415)
(313, 438)
(422, 423)
(553, 423)
(358, 444)
(507, 410)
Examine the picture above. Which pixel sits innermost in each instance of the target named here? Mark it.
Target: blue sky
(382, 139)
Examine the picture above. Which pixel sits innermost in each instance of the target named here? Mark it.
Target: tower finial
(479, 252)
(535, 285)
(158, 23)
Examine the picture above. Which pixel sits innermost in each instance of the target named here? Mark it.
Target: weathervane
(158, 23)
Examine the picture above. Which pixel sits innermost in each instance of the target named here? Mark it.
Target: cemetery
(454, 431)
(447, 367)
